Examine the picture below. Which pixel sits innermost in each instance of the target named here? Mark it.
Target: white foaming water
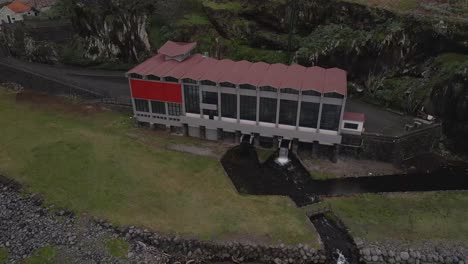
(283, 157)
(341, 258)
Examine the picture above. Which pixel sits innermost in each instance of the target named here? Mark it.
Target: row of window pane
(192, 99)
(229, 105)
(210, 98)
(174, 109)
(141, 105)
(248, 107)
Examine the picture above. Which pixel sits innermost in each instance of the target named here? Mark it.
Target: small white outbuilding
(15, 12)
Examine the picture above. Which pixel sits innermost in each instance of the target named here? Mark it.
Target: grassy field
(413, 217)
(3, 255)
(87, 161)
(45, 255)
(117, 248)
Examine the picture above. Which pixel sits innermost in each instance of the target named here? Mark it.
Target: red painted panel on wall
(156, 91)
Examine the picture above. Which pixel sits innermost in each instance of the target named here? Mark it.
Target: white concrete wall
(15, 17)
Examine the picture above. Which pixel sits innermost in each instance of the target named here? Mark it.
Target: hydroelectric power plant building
(212, 99)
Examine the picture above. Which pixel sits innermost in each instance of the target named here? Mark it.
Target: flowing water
(277, 177)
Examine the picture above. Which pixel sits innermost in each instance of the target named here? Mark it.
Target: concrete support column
(185, 130)
(131, 95)
(335, 153)
(200, 94)
(202, 132)
(183, 96)
(238, 103)
(219, 102)
(220, 134)
(278, 102)
(257, 140)
(237, 137)
(275, 142)
(299, 105)
(315, 149)
(320, 114)
(343, 106)
(257, 118)
(295, 145)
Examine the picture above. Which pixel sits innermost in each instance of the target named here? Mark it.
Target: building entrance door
(9, 19)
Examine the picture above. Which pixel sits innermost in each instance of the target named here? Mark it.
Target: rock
(366, 252)
(375, 258)
(404, 255)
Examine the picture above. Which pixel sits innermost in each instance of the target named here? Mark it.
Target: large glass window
(268, 110)
(210, 83)
(227, 84)
(247, 87)
(158, 107)
(141, 105)
(136, 76)
(288, 112)
(351, 126)
(289, 91)
(248, 108)
(268, 89)
(171, 79)
(334, 95)
(210, 98)
(311, 93)
(192, 99)
(189, 81)
(309, 114)
(330, 117)
(229, 105)
(153, 78)
(174, 109)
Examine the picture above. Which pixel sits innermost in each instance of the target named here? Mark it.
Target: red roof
(38, 3)
(18, 7)
(173, 49)
(358, 117)
(279, 76)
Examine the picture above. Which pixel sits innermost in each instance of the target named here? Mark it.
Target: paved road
(109, 83)
(113, 84)
(379, 120)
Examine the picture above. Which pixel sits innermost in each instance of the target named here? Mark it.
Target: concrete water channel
(249, 176)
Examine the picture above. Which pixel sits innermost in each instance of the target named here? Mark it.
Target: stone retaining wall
(427, 253)
(213, 251)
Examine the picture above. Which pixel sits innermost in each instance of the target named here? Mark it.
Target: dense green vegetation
(117, 248)
(45, 255)
(95, 163)
(415, 216)
(3, 255)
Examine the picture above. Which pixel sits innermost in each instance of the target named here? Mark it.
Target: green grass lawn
(88, 163)
(45, 255)
(3, 255)
(413, 217)
(117, 248)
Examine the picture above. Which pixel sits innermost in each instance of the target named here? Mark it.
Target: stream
(291, 179)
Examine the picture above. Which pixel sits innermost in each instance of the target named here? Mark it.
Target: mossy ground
(117, 247)
(411, 216)
(45, 255)
(3, 255)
